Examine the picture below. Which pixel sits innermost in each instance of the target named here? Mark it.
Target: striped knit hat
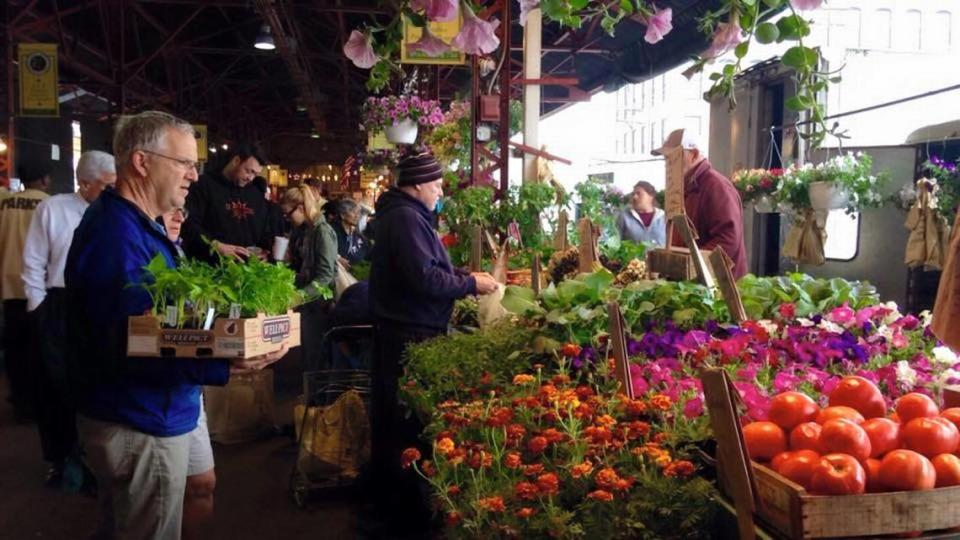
(418, 169)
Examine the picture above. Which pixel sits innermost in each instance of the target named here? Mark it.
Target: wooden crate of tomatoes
(852, 468)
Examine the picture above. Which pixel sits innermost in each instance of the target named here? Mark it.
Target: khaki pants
(140, 480)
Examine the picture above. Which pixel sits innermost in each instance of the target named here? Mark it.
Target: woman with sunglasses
(312, 254)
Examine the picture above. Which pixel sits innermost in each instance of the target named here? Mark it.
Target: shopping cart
(332, 420)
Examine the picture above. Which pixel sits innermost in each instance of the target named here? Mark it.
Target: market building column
(532, 38)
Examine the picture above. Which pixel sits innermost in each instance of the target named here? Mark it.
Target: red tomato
(806, 436)
(906, 470)
(952, 414)
(948, 470)
(872, 467)
(799, 467)
(884, 435)
(893, 416)
(838, 474)
(778, 460)
(791, 408)
(842, 436)
(840, 411)
(916, 405)
(930, 436)
(860, 394)
(764, 440)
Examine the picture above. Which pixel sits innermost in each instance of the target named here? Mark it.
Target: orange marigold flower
(612, 364)
(661, 402)
(660, 438)
(606, 420)
(568, 398)
(525, 512)
(547, 390)
(680, 468)
(624, 484)
(500, 417)
(445, 446)
(515, 431)
(598, 435)
(581, 470)
(663, 459)
(600, 495)
(638, 429)
(453, 490)
(409, 456)
(457, 456)
(453, 519)
(549, 484)
(553, 436)
(584, 392)
(511, 460)
(583, 411)
(570, 349)
(526, 491)
(479, 459)
(560, 379)
(428, 469)
(533, 470)
(523, 379)
(487, 378)
(537, 444)
(607, 479)
(636, 407)
(492, 504)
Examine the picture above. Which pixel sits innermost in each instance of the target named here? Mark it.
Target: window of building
(878, 34)
(653, 142)
(843, 236)
(626, 137)
(633, 141)
(909, 30)
(663, 129)
(663, 85)
(692, 124)
(939, 31)
(76, 145)
(653, 94)
(616, 146)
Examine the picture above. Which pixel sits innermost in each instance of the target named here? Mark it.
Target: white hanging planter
(827, 196)
(403, 132)
(765, 204)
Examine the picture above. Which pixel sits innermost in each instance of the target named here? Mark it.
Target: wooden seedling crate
(674, 264)
(788, 509)
(229, 338)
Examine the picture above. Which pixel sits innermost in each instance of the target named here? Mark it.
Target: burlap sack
(927, 243)
(804, 242)
(335, 440)
(242, 410)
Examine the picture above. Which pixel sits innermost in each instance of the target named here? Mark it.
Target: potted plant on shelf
(758, 186)
(400, 117)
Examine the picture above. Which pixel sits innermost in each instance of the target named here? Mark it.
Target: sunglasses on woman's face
(288, 215)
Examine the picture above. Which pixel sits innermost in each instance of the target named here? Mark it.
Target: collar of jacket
(692, 178)
(152, 224)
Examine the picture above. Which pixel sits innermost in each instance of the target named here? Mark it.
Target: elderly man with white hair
(44, 257)
(135, 415)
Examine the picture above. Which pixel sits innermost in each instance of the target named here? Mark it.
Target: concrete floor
(252, 499)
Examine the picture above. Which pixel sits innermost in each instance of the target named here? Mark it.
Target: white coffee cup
(280, 244)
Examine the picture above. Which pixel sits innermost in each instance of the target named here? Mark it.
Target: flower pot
(826, 196)
(765, 205)
(403, 132)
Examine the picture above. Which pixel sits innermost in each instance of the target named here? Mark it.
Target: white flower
(831, 327)
(926, 317)
(906, 374)
(769, 326)
(943, 355)
(885, 332)
(806, 323)
(944, 378)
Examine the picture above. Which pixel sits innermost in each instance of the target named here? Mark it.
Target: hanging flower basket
(765, 204)
(827, 196)
(402, 132)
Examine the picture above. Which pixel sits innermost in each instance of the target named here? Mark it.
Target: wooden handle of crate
(687, 232)
(731, 449)
(618, 340)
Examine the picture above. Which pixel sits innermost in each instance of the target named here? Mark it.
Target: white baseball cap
(677, 137)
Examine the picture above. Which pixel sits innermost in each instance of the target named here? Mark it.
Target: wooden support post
(720, 262)
(535, 279)
(618, 341)
(560, 241)
(588, 245)
(682, 225)
(532, 37)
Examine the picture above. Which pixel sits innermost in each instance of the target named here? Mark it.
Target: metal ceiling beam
(159, 50)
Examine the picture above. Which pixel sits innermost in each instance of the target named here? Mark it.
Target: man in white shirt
(44, 257)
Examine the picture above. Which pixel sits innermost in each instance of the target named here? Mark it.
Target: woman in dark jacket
(352, 245)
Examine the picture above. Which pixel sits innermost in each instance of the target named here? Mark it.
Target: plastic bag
(342, 280)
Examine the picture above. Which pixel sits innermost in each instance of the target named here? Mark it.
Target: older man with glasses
(44, 257)
(135, 415)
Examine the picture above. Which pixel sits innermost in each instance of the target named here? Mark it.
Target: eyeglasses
(183, 213)
(289, 214)
(185, 164)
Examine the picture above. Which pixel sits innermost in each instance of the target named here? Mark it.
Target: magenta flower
(526, 6)
(437, 10)
(693, 408)
(787, 311)
(785, 381)
(726, 37)
(658, 25)
(640, 386)
(428, 44)
(359, 49)
(804, 5)
(476, 36)
(842, 315)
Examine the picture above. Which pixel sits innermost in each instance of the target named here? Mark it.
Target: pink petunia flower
(804, 5)
(437, 10)
(359, 49)
(787, 311)
(693, 408)
(526, 6)
(658, 25)
(726, 37)
(476, 36)
(842, 315)
(640, 386)
(429, 45)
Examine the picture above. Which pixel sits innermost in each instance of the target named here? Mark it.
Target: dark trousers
(56, 418)
(18, 355)
(398, 491)
(314, 323)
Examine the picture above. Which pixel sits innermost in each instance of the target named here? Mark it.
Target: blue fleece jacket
(412, 282)
(158, 396)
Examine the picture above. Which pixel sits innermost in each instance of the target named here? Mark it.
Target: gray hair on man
(94, 164)
(144, 131)
(346, 205)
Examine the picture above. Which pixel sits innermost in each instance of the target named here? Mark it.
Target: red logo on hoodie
(239, 210)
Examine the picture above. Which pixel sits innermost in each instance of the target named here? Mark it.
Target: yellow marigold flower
(661, 402)
(663, 460)
(445, 445)
(523, 379)
(606, 420)
(581, 470)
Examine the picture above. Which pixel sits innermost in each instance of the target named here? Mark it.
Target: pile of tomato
(853, 446)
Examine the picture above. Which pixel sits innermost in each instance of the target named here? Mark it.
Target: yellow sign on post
(445, 31)
(201, 131)
(39, 95)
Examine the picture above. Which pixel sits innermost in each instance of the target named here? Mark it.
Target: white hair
(144, 131)
(94, 164)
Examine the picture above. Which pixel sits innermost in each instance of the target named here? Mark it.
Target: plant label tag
(234, 311)
(208, 323)
(171, 317)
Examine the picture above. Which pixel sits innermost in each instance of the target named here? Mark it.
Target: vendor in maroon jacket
(412, 289)
(711, 201)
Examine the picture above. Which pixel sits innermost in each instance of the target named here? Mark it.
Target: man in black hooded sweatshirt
(228, 209)
(412, 289)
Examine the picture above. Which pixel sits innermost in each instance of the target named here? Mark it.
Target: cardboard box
(229, 338)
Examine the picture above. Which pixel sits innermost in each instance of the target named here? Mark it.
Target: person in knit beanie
(412, 289)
